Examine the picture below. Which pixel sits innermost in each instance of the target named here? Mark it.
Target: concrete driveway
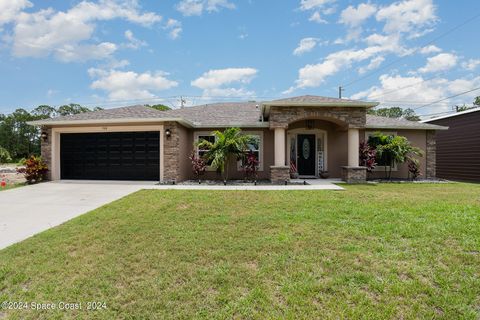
(26, 211)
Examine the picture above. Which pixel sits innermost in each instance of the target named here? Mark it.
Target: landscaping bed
(384, 251)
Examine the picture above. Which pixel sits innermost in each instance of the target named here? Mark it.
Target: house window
(202, 151)
(382, 162)
(256, 147)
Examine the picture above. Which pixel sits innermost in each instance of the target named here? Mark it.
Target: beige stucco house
(139, 143)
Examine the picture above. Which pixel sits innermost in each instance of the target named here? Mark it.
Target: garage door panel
(110, 156)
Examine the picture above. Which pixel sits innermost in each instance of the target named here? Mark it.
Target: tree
(22, 140)
(44, 111)
(229, 144)
(395, 112)
(477, 101)
(159, 107)
(70, 109)
(393, 150)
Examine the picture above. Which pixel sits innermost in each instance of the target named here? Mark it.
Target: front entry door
(306, 154)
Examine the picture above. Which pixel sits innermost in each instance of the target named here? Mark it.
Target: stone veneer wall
(354, 117)
(171, 153)
(46, 150)
(279, 174)
(354, 174)
(431, 155)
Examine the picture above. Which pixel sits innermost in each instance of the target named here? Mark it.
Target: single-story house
(458, 150)
(314, 133)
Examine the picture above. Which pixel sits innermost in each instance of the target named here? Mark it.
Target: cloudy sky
(122, 52)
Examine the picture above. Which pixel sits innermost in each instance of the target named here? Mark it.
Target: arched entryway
(308, 146)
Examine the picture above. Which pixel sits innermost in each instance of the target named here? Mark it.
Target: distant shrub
(4, 155)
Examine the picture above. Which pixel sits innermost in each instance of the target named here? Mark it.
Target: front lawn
(388, 251)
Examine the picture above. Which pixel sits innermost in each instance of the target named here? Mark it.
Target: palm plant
(229, 144)
(393, 149)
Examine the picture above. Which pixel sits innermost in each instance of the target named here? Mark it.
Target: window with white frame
(200, 136)
(256, 147)
(382, 162)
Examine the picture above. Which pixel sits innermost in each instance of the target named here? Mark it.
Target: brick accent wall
(431, 155)
(46, 151)
(354, 174)
(278, 174)
(354, 117)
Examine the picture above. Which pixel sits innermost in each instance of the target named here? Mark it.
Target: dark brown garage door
(110, 156)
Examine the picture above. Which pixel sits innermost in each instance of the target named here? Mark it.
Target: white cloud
(129, 84)
(316, 17)
(174, 28)
(319, 7)
(471, 64)
(354, 17)
(47, 32)
(73, 52)
(374, 64)
(197, 7)
(9, 9)
(430, 49)
(313, 75)
(133, 43)
(214, 82)
(313, 4)
(305, 45)
(415, 91)
(407, 16)
(440, 62)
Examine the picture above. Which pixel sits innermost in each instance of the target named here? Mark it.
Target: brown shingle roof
(131, 112)
(377, 122)
(221, 114)
(317, 100)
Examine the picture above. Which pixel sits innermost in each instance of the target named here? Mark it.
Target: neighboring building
(458, 149)
(139, 143)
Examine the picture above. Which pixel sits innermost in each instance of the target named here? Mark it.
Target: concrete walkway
(26, 211)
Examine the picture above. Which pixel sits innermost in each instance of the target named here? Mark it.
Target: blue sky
(122, 52)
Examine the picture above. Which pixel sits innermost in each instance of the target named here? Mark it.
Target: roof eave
(266, 105)
(239, 125)
(108, 121)
(451, 115)
(430, 127)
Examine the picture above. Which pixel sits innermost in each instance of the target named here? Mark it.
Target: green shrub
(4, 155)
(35, 169)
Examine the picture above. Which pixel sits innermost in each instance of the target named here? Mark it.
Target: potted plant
(324, 174)
(293, 170)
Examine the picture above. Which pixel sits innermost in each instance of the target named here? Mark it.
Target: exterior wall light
(168, 133)
(44, 135)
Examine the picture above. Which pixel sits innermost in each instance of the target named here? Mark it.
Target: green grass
(13, 186)
(392, 251)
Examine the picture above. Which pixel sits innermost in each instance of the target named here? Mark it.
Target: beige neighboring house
(314, 133)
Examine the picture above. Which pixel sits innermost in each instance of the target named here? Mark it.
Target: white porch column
(353, 147)
(279, 147)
